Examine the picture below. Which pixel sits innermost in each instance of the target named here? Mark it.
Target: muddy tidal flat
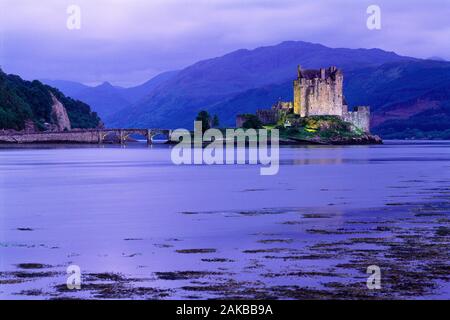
(139, 227)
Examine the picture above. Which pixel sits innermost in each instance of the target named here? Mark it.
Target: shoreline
(91, 137)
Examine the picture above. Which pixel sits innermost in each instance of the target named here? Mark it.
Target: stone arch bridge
(123, 135)
(83, 136)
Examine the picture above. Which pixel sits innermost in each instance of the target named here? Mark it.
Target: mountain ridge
(211, 81)
(244, 80)
(105, 98)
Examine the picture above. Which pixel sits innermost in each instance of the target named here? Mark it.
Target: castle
(317, 93)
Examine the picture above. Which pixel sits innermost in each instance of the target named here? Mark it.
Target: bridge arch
(158, 135)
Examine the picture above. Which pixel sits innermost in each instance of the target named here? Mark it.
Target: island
(319, 113)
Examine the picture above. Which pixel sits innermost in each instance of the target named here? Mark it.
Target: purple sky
(127, 42)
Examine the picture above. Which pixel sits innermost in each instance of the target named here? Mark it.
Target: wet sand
(310, 256)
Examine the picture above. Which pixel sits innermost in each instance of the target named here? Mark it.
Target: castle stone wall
(299, 98)
(360, 118)
(319, 92)
(267, 116)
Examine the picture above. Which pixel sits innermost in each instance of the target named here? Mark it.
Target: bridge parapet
(82, 135)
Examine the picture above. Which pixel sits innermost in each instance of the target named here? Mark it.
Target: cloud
(128, 41)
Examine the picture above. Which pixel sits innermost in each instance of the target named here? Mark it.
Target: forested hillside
(23, 102)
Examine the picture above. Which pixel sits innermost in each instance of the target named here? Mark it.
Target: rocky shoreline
(366, 139)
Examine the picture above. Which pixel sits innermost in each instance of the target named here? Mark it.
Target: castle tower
(319, 92)
(298, 93)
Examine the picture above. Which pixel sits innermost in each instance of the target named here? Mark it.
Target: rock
(59, 115)
(362, 140)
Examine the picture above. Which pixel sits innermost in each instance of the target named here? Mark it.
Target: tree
(205, 118)
(215, 121)
(252, 122)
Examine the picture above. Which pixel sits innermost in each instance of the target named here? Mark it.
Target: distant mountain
(106, 99)
(220, 81)
(408, 99)
(33, 105)
(436, 58)
(251, 100)
(69, 88)
(134, 94)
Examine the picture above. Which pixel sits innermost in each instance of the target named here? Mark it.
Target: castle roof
(311, 74)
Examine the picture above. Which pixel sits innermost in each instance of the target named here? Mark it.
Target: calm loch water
(140, 227)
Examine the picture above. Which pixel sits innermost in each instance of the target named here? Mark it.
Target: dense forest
(22, 100)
